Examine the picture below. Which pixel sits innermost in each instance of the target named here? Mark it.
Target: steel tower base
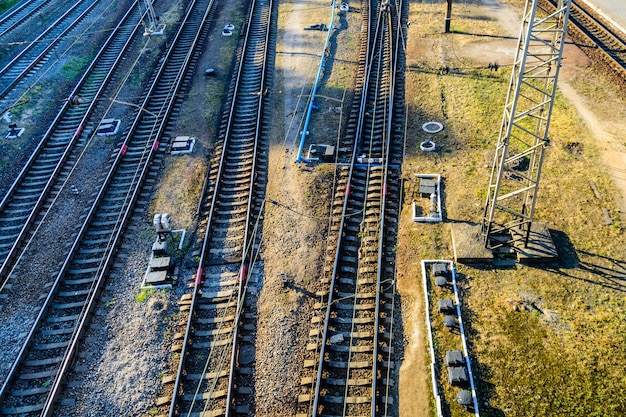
(469, 246)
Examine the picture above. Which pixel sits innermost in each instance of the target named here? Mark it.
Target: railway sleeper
(364, 269)
(369, 260)
(387, 400)
(230, 211)
(208, 375)
(304, 398)
(388, 295)
(214, 283)
(74, 293)
(30, 391)
(211, 344)
(361, 295)
(347, 269)
(347, 400)
(388, 364)
(235, 203)
(49, 346)
(23, 409)
(353, 349)
(212, 306)
(226, 253)
(43, 362)
(232, 180)
(350, 381)
(62, 319)
(236, 193)
(68, 306)
(29, 195)
(386, 349)
(355, 320)
(359, 281)
(356, 335)
(363, 306)
(205, 395)
(388, 382)
(57, 332)
(217, 295)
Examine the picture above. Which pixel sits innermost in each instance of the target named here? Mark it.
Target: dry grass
(179, 189)
(547, 340)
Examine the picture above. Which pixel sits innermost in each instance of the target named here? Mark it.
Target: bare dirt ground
(293, 230)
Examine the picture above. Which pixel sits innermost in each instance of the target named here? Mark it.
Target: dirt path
(609, 135)
(292, 242)
(613, 153)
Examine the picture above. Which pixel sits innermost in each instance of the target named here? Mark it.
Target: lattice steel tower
(151, 25)
(514, 181)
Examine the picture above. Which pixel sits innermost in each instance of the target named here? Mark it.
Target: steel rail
(19, 14)
(138, 151)
(386, 180)
(333, 279)
(90, 87)
(248, 242)
(387, 122)
(612, 44)
(399, 52)
(241, 92)
(203, 255)
(606, 39)
(24, 62)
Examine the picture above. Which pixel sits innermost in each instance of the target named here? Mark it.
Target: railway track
(37, 52)
(35, 379)
(50, 164)
(604, 43)
(351, 347)
(18, 15)
(215, 375)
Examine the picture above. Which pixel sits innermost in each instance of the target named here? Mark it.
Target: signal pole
(448, 16)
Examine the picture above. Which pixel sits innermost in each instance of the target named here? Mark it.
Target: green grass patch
(75, 66)
(144, 294)
(6, 5)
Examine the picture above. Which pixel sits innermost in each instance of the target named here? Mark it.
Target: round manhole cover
(432, 127)
(246, 354)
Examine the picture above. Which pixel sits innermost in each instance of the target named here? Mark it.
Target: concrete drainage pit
(428, 145)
